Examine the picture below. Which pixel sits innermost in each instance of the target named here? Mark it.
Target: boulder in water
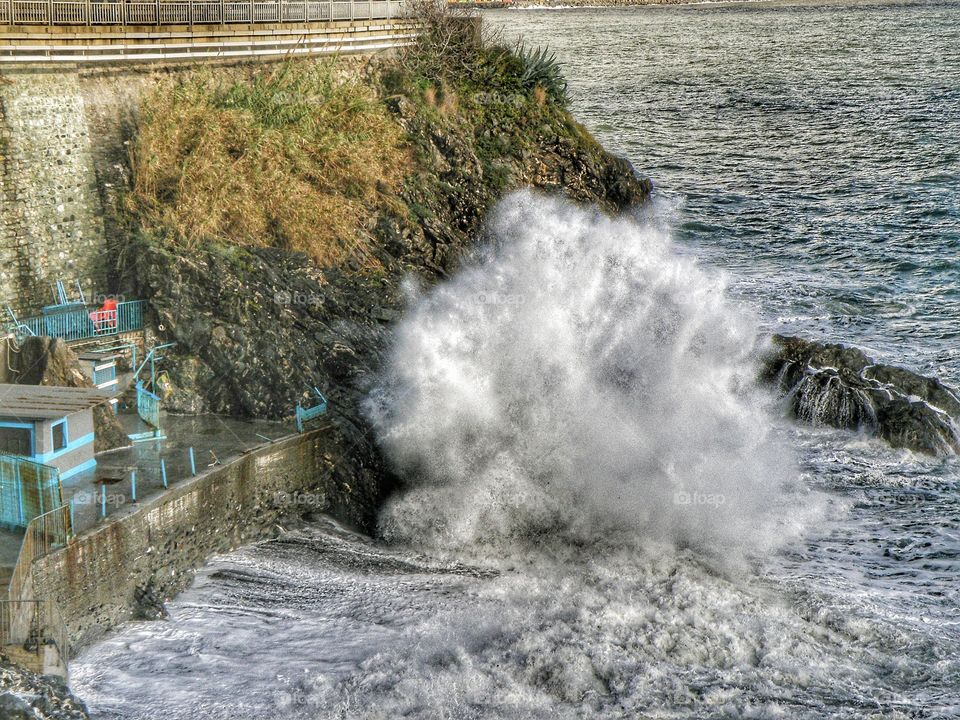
(839, 386)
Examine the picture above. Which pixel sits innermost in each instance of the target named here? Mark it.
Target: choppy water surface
(604, 519)
(811, 150)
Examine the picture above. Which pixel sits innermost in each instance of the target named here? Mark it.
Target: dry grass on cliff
(292, 157)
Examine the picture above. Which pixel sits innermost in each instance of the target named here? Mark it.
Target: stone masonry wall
(65, 134)
(51, 220)
(99, 580)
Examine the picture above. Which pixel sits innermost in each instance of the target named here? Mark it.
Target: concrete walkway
(214, 439)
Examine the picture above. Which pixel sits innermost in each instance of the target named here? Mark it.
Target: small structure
(101, 367)
(50, 425)
(27, 490)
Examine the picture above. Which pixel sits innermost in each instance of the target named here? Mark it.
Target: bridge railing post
(50, 11)
(89, 11)
(251, 12)
(157, 3)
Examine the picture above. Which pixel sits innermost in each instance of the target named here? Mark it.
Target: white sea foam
(580, 380)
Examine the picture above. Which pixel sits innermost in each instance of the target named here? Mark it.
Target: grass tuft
(290, 158)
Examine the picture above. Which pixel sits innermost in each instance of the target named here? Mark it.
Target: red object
(106, 317)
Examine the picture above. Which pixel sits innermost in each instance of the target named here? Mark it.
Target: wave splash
(580, 380)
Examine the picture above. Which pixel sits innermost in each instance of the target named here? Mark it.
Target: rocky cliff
(264, 314)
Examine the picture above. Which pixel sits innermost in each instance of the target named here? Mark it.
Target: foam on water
(581, 379)
(549, 403)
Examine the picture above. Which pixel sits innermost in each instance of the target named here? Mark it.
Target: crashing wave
(580, 381)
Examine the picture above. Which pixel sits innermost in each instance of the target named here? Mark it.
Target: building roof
(45, 402)
(97, 355)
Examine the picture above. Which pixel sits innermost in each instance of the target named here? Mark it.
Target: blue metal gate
(27, 490)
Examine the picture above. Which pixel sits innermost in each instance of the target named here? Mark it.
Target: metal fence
(32, 624)
(27, 490)
(79, 323)
(306, 414)
(44, 534)
(168, 12)
(24, 620)
(148, 406)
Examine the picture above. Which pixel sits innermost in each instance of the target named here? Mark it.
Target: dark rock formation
(838, 386)
(28, 696)
(50, 361)
(149, 603)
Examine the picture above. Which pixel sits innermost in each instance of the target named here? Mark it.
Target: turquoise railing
(148, 406)
(305, 415)
(77, 322)
(27, 490)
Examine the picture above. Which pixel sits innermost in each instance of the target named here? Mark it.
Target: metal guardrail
(148, 406)
(24, 620)
(195, 12)
(44, 534)
(304, 415)
(82, 324)
(33, 624)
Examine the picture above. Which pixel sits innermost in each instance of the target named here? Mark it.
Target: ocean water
(605, 517)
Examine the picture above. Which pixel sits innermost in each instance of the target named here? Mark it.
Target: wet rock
(15, 708)
(28, 696)
(149, 604)
(839, 386)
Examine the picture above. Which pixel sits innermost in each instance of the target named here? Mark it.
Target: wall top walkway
(280, 30)
(94, 13)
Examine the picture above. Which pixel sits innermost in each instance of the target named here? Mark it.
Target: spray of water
(579, 381)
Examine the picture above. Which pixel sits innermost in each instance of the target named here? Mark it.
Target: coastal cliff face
(264, 309)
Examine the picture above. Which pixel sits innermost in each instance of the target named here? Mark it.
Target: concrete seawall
(99, 579)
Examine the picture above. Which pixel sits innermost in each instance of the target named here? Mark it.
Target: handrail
(304, 415)
(82, 324)
(23, 617)
(44, 533)
(148, 406)
(178, 12)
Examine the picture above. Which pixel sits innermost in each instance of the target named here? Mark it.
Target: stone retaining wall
(101, 578)
(52, 223)
(64, 145)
